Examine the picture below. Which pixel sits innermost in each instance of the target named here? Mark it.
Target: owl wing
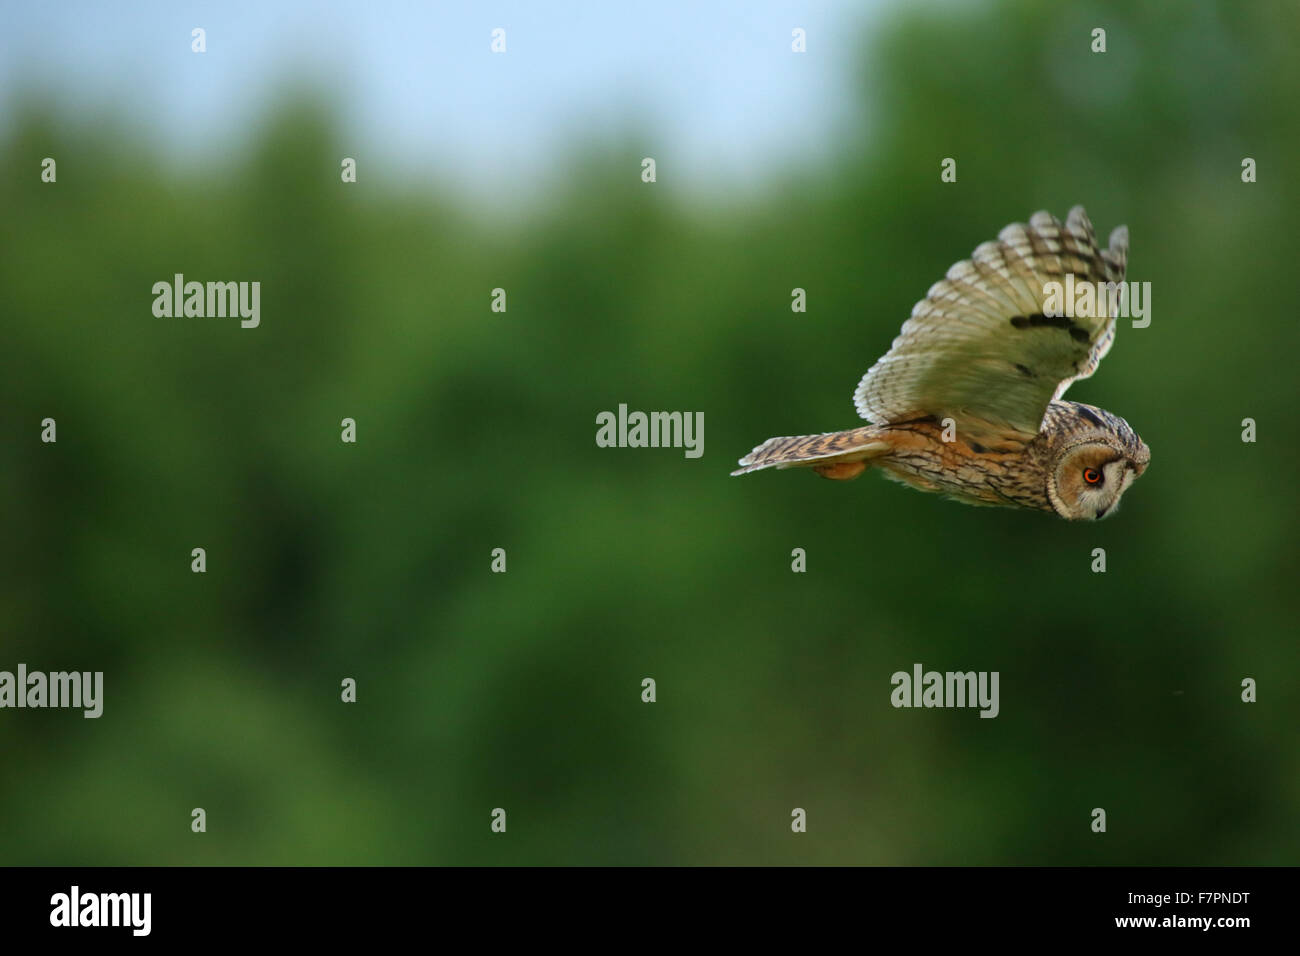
(979, 348)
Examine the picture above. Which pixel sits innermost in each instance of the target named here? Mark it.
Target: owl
(967, 402)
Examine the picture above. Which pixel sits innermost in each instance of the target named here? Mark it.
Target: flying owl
(967, 402)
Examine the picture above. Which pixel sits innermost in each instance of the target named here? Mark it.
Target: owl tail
(818, 451)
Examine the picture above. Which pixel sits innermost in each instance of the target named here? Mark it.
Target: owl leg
(841, 470)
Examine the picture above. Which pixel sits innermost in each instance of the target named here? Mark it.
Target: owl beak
(1102, 512)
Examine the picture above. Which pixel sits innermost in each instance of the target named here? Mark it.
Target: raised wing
(980, 348)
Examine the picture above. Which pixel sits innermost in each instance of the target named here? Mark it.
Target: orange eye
(1092, 476)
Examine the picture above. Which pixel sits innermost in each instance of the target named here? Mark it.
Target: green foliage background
(476, 430)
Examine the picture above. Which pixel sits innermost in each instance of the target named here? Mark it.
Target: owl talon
(841, 470)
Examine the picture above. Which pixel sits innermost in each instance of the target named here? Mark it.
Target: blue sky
(713, 85)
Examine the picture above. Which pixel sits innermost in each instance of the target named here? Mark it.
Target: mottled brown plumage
(967, 401)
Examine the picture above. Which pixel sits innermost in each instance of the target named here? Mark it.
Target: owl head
(1095, 457)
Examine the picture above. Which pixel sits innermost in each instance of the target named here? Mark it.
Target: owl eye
(1092, 476)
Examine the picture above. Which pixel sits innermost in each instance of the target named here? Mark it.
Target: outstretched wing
(979, 347)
